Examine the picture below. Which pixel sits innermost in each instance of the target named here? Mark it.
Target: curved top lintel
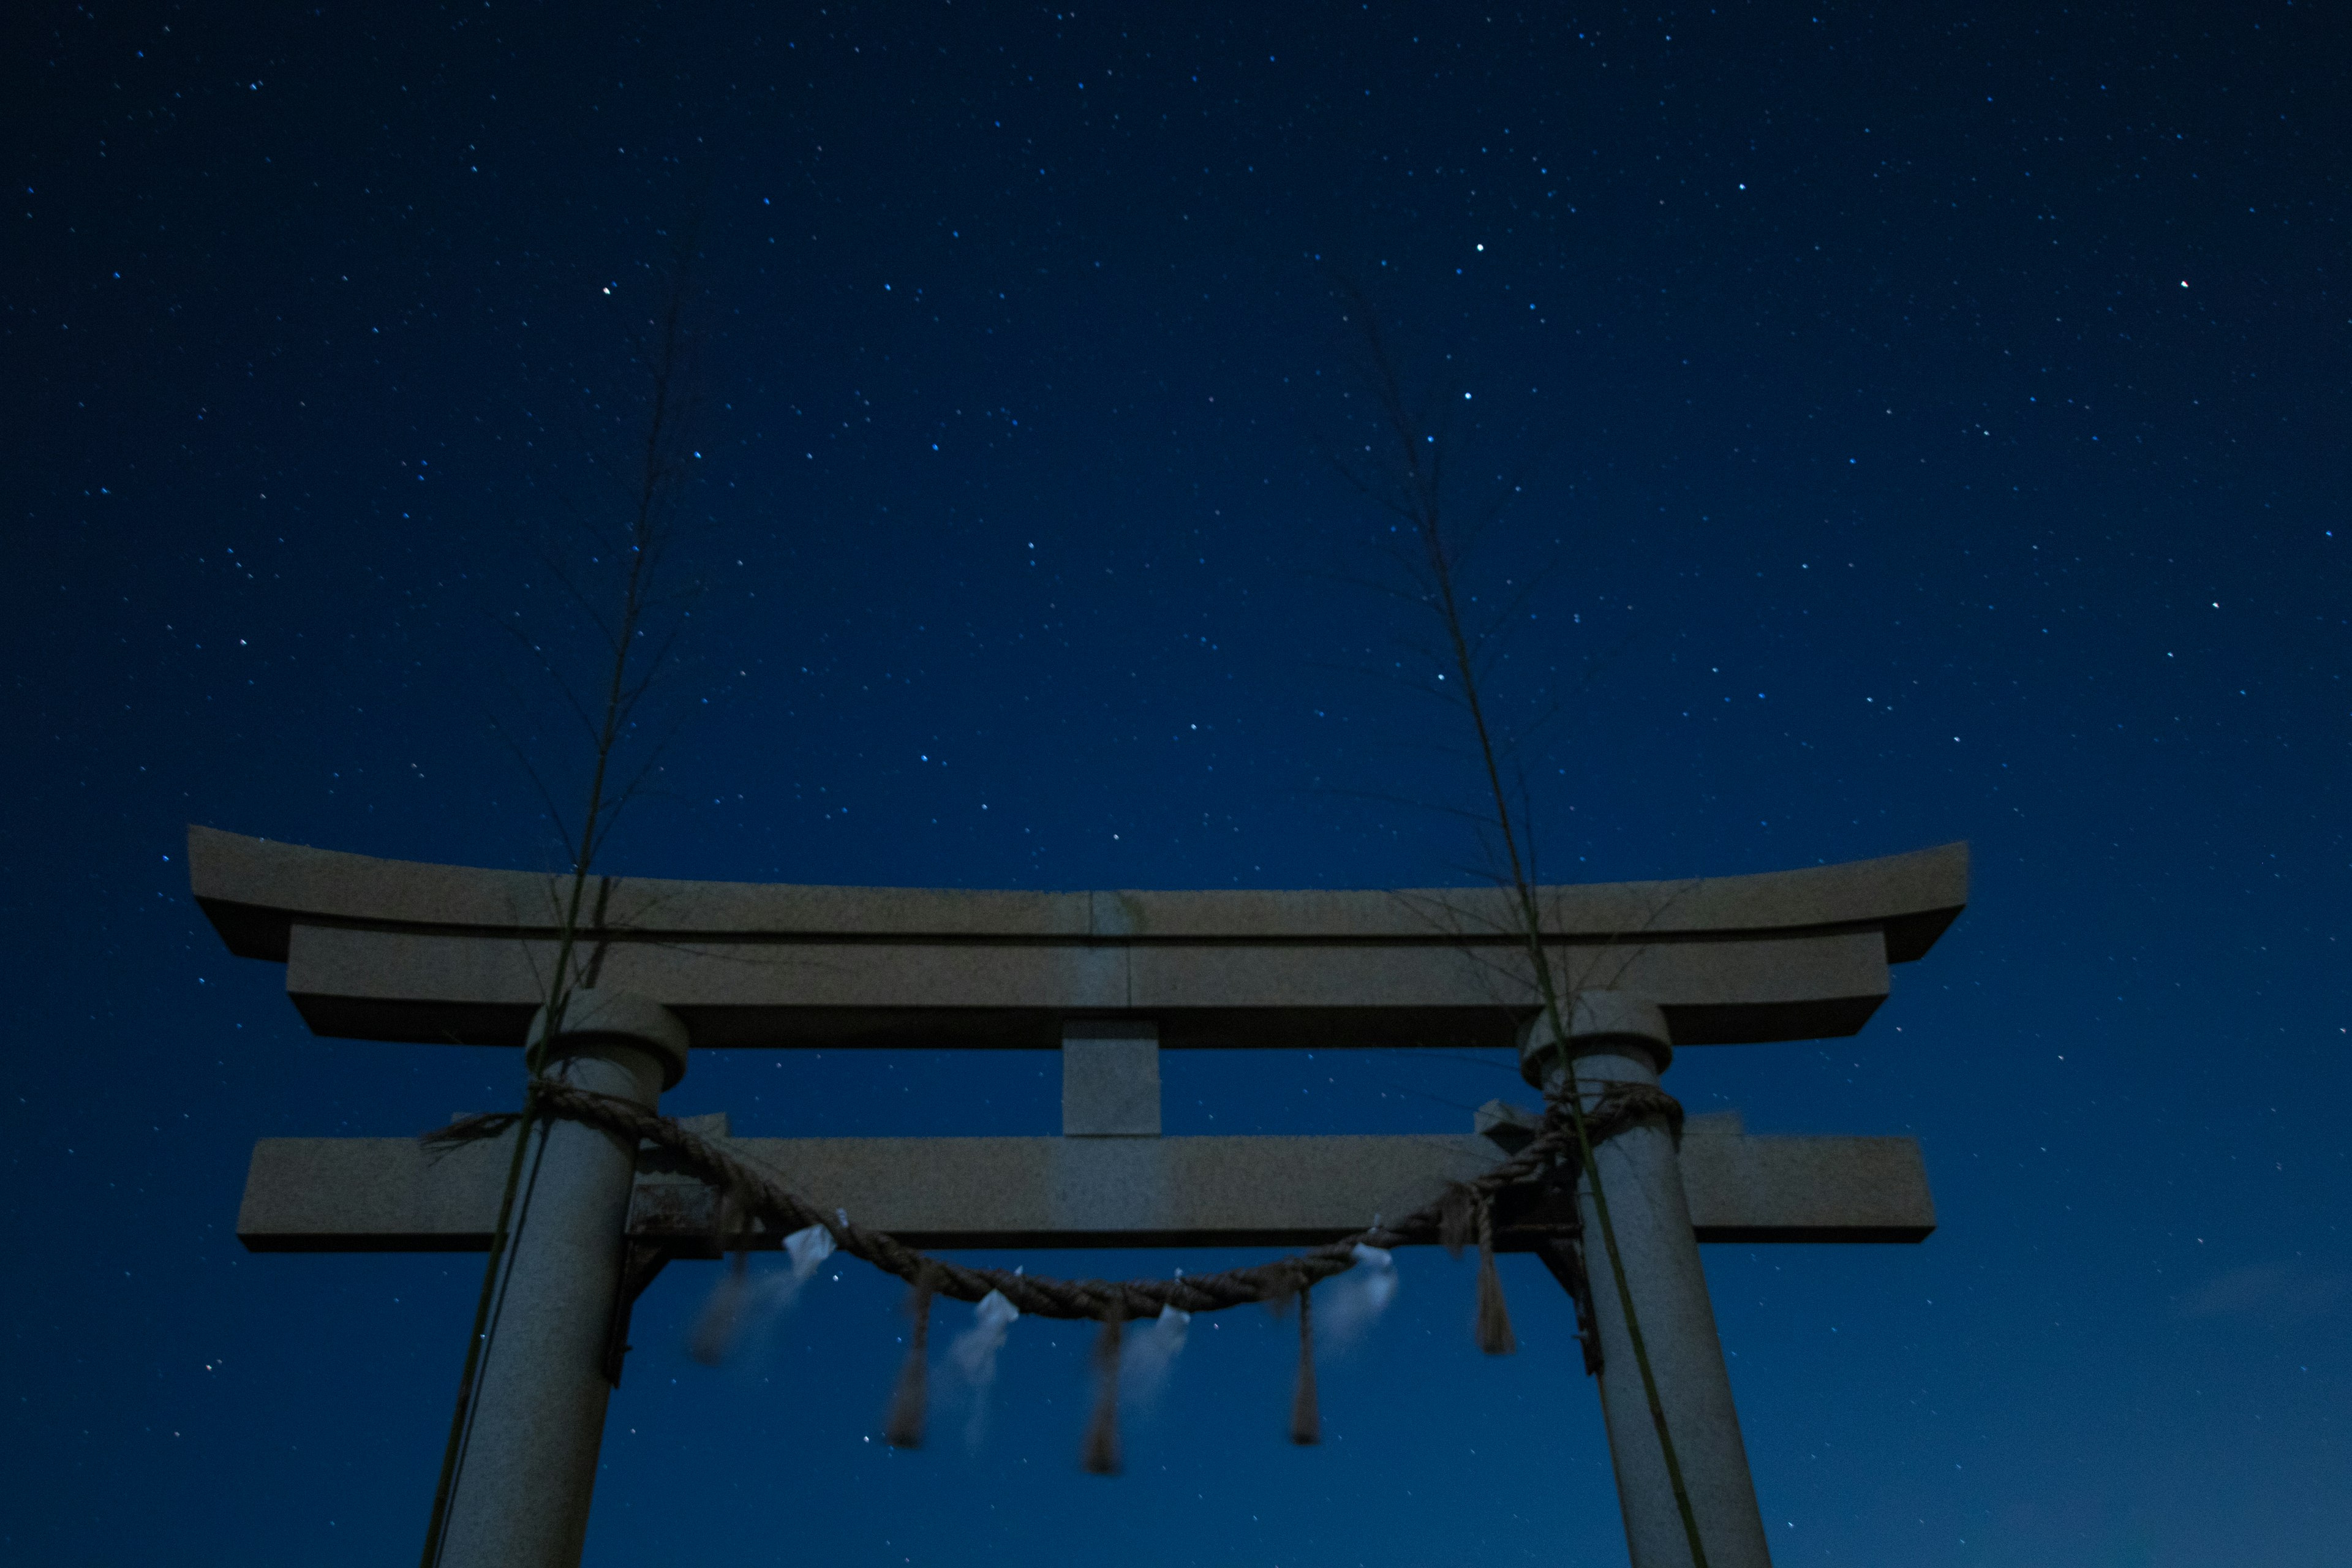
(254, 890)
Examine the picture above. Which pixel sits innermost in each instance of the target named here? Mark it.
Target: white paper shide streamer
(742, 1301)
(1347, 1308)
(1145, 1360)
(973, 1355)
(807, 1249)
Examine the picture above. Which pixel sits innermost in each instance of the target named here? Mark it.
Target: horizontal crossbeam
(393, 1195)
(482, 990)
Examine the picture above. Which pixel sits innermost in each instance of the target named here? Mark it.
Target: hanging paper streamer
(1354, 1301)
(740, 1301)
(971, 1356)
(973, 1353)
(807, 1249)
(723, 1315)
(1147, 1357)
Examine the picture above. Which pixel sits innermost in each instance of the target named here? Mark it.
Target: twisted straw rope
(751, 1188)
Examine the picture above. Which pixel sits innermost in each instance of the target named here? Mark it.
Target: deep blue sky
(1936, 427)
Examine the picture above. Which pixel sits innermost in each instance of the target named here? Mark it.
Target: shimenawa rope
(747, 1189)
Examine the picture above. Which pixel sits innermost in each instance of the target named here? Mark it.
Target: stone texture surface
(529, 1465)
(1651, 1212)
(397, 951)
(1110, 1079)
(440, 988)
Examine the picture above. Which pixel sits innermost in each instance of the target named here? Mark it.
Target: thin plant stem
(1416, 478)
(645, 537)
(461, 1420)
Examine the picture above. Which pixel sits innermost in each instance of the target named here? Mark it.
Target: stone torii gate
(391, 950)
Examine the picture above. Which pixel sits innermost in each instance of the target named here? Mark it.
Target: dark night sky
(1936, 430)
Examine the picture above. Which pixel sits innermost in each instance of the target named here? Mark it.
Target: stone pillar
(1616, 1037)
(520, 1494)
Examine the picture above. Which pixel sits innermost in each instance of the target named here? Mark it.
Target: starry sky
(1919, 427)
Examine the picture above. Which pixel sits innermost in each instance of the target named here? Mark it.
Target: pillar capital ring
(623, 1017)
(1596, 1019)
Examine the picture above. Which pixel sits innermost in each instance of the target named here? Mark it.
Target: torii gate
(392, 950)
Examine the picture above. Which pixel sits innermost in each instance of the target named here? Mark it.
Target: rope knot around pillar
(1613, 1108)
